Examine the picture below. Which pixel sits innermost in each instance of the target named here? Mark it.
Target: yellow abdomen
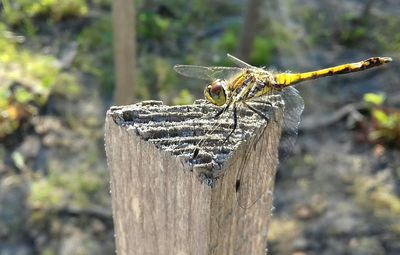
(287, 79)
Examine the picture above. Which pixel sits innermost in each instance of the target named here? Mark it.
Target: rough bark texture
(167, 202)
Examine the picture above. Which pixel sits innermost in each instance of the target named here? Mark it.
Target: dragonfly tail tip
(387, 59)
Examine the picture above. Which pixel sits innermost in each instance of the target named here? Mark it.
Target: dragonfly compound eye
(215, 93)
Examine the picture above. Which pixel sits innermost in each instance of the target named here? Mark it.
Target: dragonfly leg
(222, 110)
(261, 114)
(195, 153)
(235, 122)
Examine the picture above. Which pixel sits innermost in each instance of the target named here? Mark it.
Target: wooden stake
(166, 202)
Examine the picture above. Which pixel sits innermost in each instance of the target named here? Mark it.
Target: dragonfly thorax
(215, 92)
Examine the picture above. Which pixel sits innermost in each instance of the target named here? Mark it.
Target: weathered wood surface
(166, 202)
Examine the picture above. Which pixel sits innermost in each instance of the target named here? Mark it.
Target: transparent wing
(250, 179)
(294, 106)
(253, 175)
(207, 73)
(248, 192)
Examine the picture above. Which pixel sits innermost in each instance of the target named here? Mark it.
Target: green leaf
(381, 117)
(374, 98)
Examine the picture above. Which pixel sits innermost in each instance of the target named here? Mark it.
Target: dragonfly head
(215, 92)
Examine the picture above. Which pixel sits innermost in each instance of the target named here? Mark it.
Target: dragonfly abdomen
(287, 79)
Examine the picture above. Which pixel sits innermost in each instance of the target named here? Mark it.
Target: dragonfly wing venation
(294, 106)
(250, 180)
(249, 192)
(208, 73)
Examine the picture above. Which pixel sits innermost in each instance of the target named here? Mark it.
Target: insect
(233, 87)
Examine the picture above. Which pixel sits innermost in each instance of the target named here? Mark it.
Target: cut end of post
(191, 132)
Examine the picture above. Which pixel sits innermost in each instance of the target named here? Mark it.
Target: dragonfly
(233, 87)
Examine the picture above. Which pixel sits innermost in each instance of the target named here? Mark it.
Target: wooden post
(165, 201)
(124, 43)
(249, 29)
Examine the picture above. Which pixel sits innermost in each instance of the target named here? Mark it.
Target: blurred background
(338, 193)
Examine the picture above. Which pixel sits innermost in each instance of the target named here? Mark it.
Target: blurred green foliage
(229, 39)
(312, 24)
(27, 80)
(263, 49)
(152, 25)
(385, 125)
(374, 99)
(96, 52)
(105, 4)
(184, 97)
(352, 29)
(74, 188)
(375, 194)
(21, 11)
